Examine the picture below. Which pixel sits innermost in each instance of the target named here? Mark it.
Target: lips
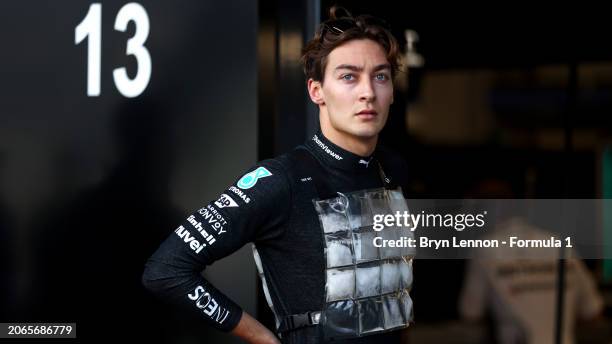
(368, 112)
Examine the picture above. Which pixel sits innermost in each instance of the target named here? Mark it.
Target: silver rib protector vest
(366, 287)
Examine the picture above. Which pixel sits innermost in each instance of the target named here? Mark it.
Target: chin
(366, 132)
(367, 129)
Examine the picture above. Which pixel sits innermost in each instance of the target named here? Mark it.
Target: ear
(315, 92)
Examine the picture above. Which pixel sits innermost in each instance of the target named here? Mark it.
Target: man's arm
(253, 331)
(252, 208)
(589, 302)
(473, 296)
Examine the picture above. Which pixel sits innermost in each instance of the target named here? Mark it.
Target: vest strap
(296, 321)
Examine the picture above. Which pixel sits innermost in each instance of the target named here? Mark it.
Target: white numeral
(135, 46)
(91, 28)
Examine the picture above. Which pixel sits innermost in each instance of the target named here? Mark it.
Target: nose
(366, 91)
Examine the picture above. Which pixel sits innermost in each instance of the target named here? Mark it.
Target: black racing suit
(272, 207)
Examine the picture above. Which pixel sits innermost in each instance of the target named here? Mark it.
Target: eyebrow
(359, 69)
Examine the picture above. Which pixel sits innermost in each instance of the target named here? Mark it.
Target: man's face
(357, 89)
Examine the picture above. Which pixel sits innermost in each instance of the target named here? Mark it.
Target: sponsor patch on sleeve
(250, 179)
(225, 201)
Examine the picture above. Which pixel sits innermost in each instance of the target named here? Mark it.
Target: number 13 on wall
(91, 28)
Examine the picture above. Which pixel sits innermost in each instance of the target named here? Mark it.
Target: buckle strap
(296, 321)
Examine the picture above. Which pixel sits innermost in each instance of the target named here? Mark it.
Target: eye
(348, 77)
(382, 77)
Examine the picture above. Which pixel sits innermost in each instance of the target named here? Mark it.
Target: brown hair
(338, 30)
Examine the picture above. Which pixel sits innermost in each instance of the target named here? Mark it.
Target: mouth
(367, 114)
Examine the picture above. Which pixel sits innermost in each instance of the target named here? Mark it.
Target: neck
(362, 146)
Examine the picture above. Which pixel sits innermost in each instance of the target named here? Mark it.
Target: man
(521, 294)
(301, 210)
(519, 290)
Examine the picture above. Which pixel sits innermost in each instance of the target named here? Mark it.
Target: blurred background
(103, 151)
